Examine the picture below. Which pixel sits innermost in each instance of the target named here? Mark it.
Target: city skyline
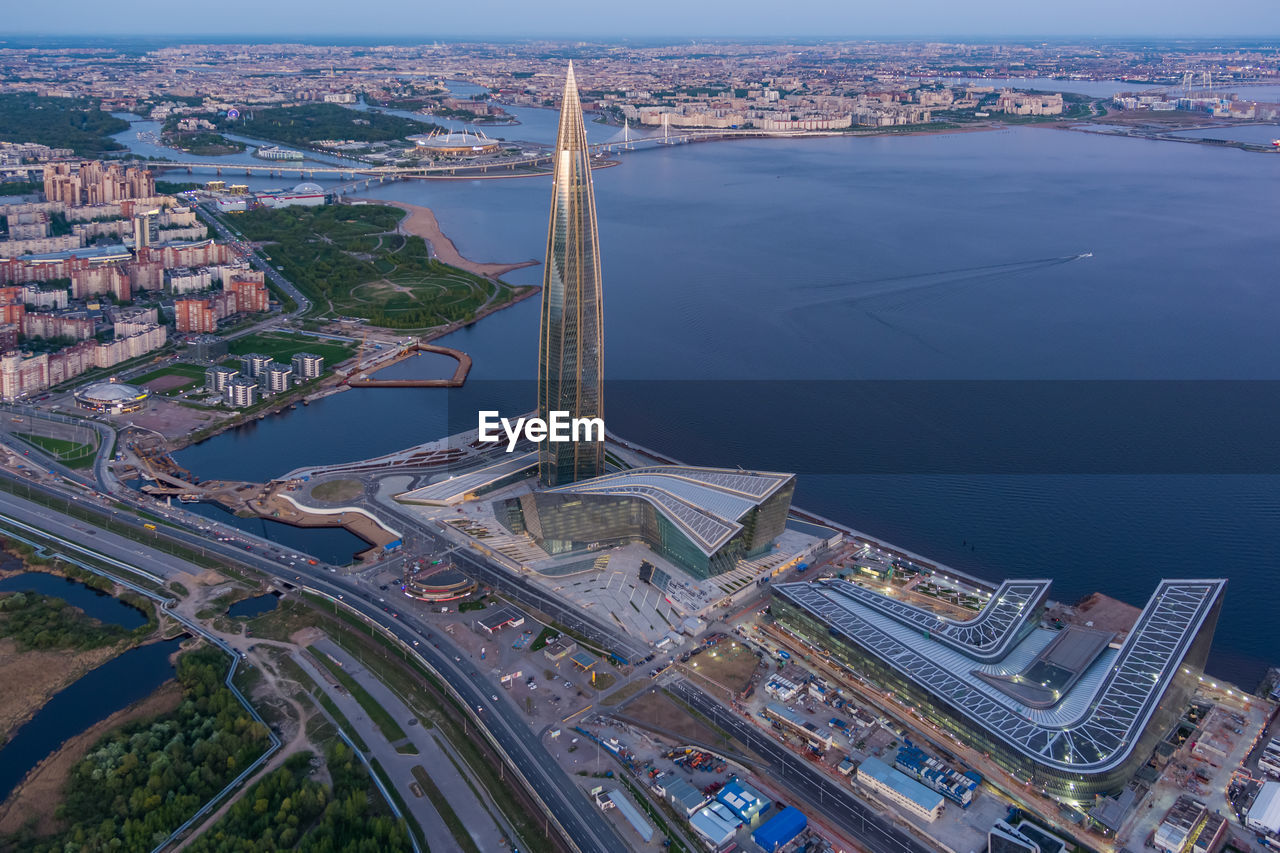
(1091, 18)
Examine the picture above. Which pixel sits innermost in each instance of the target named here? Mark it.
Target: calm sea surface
(1023, 254)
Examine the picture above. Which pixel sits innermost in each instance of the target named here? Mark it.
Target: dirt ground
(657, 712)
(1106, 613)
(170, 419)
(31, 678)
(164, 383)
(728, 665)
(40, 792)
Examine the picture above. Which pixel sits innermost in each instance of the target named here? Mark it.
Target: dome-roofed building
(114, 398)
(455, 143)
(308, 187)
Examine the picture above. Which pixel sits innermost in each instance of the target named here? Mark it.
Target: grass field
(73, 454)
(352, 262)
(283, 346)
(336, 491)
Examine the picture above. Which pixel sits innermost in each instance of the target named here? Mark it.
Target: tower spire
(570, 346)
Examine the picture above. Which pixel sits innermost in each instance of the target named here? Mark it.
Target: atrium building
(701, 519)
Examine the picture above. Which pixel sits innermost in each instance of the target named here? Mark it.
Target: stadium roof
(1096, 723)
(110, 392)
(705, 503)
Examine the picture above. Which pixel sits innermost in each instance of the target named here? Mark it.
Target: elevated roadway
(581, 823)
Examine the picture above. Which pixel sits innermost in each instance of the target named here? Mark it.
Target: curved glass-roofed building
(702, 519)
(1069, 711)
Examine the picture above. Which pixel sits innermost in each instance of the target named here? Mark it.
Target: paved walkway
(479, 820)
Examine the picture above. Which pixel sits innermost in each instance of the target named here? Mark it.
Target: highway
(286, 286)
(585, 825)
(580, 820)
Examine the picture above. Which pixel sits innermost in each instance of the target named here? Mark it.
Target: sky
(676, 19)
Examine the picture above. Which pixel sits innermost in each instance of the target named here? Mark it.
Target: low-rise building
(715, 823)
(1180, 824)
(1264, 814)
(899, 789)
(744, 801)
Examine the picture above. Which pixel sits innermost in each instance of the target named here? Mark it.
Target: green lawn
(73, 454)
(282, 346)
(351, 262)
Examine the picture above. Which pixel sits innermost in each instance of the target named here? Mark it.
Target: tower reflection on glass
(570, 344)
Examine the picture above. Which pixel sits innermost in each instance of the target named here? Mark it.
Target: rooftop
(705, 503)
(455, 487)
(1092, 728)
(924, 797)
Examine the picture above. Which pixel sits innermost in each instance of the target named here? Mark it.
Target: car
(569, 685)
(495, 697)
(415, 642)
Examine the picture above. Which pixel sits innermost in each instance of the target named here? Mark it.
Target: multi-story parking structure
(1070, 712)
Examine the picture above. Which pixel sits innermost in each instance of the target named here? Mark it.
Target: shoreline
(422, 222)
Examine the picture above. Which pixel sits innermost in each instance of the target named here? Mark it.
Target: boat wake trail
(877, 291)
(877, 297)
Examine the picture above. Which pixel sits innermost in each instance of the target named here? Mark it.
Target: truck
(802, 568)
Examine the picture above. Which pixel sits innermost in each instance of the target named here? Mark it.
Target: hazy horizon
(661, 20)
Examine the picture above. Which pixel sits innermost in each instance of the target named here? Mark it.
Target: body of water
(111, 687)
(100, 605)
(1258, 134)
(331, 544)
(250, 607)
(1024, 254)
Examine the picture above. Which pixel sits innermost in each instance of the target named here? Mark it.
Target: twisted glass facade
(570, 346)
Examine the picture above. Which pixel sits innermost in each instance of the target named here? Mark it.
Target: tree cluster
(75, 123)
(141, 781)
(41, 622)
(288, 810)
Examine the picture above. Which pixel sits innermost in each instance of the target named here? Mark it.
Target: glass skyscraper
(570, 344)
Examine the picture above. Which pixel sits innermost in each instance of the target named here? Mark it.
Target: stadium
(1071, 712)
(455, 143)
(114, 398)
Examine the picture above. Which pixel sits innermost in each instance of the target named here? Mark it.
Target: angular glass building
(1070, 712)
(702, 519)
(570, 346)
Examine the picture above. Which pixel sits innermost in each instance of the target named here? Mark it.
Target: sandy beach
(422, 222)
